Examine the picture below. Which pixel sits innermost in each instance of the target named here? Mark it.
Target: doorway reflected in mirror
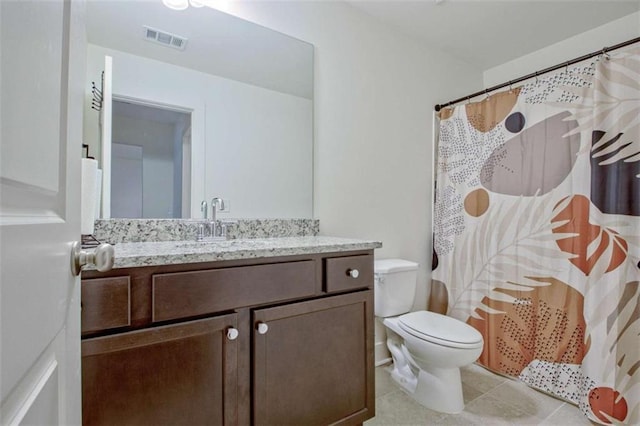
(150, 165)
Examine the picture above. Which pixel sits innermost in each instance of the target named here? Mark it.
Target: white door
(42, 57)
(105, 136)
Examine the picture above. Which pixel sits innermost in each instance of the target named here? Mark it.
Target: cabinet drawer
(106, 303)
(188, 294)
(340, 273)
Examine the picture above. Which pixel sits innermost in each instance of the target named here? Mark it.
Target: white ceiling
(489, 33)
(480, 32)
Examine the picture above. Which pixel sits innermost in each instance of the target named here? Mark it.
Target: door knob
(353, 273)
(102, 257)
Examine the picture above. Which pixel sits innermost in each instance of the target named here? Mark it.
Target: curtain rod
(538, 73)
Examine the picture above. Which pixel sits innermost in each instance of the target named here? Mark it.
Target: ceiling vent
(164, 38)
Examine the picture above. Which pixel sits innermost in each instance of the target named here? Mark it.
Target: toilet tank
(394, 286)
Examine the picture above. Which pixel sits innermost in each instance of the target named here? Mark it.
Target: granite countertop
(128, 255)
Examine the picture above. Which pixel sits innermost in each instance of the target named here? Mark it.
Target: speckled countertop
(128, 255)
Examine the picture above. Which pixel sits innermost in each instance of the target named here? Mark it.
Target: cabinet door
(313, 362)
(177, 374)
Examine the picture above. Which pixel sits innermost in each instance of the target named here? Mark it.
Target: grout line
(555, 411)
(495, 388)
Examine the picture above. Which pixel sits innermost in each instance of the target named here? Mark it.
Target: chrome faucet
(213, 225)
(216, 202)
(202, 231)
(203, 209)
(208, 229)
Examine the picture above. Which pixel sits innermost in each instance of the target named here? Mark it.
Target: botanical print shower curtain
(537, 232)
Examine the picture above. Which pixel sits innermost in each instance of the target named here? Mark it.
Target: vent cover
(164, 38)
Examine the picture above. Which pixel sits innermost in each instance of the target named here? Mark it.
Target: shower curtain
(537, 232)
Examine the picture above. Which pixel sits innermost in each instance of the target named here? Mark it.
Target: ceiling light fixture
(176, 4)
(184, 4)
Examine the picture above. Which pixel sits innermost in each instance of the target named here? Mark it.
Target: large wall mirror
(204, 105)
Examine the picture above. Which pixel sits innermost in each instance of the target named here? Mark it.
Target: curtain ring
(566, 68)
(468, 100)
(510, 87)
(536, 77)
(605, 55)
(486, 94)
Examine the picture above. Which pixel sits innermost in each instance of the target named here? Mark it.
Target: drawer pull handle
(353, 273)
(262, 328)
(232, 333)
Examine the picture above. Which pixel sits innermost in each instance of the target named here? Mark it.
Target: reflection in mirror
(248, 91)
(148, 161)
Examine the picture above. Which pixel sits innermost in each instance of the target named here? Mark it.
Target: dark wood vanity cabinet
(280, 341)
(176, 374)
(312, 365)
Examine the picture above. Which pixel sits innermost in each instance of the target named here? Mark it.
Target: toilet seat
(440, 329)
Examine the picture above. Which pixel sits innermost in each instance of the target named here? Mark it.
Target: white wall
(259, 152)
(615, 32)
(374, 95)
(228, 150)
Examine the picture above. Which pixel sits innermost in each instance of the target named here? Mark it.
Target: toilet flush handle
(353, 273)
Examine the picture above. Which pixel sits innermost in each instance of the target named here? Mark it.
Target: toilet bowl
(434, 347)
(427, 348)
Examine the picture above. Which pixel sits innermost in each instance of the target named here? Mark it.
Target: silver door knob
(232, 333)
(102, 257)
(262, 328)
(353, 273)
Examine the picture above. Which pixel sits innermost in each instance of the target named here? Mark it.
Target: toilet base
(439, 389)
(429, 373)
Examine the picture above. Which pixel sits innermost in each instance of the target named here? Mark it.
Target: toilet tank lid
(393, 265)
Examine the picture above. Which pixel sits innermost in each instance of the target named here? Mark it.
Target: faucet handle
(200, 234)
(224, 225)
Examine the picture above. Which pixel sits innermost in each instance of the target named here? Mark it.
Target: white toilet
(428, 349)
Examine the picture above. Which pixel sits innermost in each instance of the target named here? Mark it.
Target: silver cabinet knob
(353, 273)
(102, 257)
(262, 328)
(232, 333)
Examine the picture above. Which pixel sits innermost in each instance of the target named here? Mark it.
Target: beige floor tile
(567, 415)
(526, 399)
(397, 408)
(487, 410)
(384, 382)
(469, 392)
(481, 379)
(490, 399)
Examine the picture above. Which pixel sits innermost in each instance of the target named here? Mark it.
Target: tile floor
(490, 399)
